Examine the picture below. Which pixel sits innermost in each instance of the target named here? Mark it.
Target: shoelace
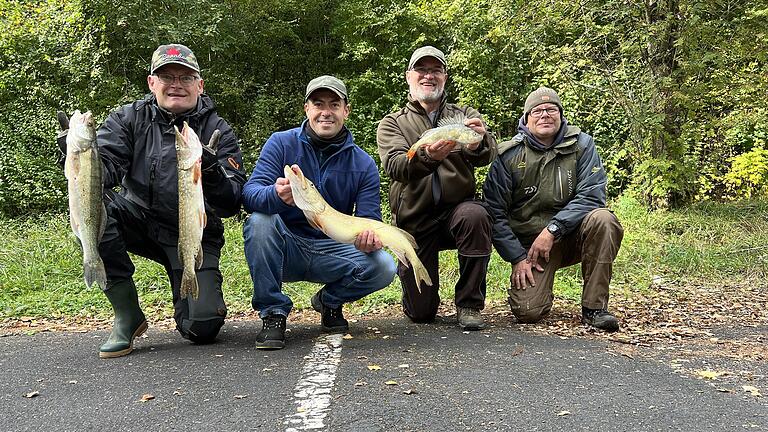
(334, 313)
(272, 323)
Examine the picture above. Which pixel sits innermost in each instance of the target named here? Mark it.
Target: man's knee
(603, 219)
(382, 269)
(259, 225)
(200, 332)
(528, 314)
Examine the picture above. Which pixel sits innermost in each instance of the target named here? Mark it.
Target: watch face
(552, 228)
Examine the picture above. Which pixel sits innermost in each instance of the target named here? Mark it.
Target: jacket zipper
(151, 183)
(560, 182)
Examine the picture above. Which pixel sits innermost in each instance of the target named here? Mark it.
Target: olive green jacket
(529, 187)
(423, 191)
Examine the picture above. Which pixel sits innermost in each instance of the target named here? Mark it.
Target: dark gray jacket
(528, 187)
(137, 147)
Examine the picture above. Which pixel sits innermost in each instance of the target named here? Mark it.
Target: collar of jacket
(565, 131)
(204, 104)
(416, 107)
(305, 139)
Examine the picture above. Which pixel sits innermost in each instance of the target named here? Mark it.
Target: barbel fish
(192, 217)
(87, 215)
(345, 228)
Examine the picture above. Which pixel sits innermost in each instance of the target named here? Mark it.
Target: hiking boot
(599, 319)
(272, 334)
(129, 323)
(332, 319)
(470, 319)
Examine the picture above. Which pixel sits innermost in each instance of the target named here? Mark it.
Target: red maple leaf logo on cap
(172, 51)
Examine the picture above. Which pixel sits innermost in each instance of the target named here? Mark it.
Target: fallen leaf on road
(724, 390)
(709, 374)
(752, 390)
(72, 382)
(390, 382)
(563, 413)
(32, 394)
(360, 383)
(241, 396)
(347, 336)
(374, 367)
(147, 397)
(176, 393)
(410, 391)
(404, 365)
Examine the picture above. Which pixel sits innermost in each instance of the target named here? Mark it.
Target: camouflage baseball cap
(173, 53)
(326, 82)
(426, 51)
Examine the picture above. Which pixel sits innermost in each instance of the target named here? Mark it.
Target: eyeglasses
(429, 71)
(538, 112)
(185, 80)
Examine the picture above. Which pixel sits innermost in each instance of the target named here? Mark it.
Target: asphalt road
(391, 375)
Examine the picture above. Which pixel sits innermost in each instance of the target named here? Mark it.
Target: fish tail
(411, 153)
(93, 272)
(189, 284)
(420, 274)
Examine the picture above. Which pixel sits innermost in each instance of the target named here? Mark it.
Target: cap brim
(417, 59)
(338, 93)
(187, 65)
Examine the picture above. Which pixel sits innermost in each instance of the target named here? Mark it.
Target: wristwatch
(554, 230)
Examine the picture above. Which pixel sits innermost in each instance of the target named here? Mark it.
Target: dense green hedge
(674, 92)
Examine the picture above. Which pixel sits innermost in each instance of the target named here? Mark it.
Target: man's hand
(209, 160)
(367, 242)
(440, 149)
(522, 274)
(476, 125)
(541, 247)
(283, 189)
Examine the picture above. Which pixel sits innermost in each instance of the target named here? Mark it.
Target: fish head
(468, 135)
(82, 132)
(305, 194)
(189, 150)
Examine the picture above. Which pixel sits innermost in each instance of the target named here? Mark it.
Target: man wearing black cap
(137, 149)
(432, 194)
(280, 245)
(546, 192)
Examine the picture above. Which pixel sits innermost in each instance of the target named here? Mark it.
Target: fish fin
(93, 272)
(103, 224)
(203, 218)
(315, 221)
(189, 284)
(420, 274)
(197, 172)
(411, 153)
(199, 257)
(450, 121)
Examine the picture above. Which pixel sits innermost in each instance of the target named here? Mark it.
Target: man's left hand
(367, 242)
(476, 125)
(541, 247)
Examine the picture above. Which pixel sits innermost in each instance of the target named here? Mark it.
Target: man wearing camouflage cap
(546, 193)
(281, 245)
(137, 149)
(432, 193)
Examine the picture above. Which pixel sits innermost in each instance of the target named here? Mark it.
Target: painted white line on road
(313, 391)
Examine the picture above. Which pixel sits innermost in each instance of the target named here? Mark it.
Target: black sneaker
(272, 334)
(600, 319)
(332, 319)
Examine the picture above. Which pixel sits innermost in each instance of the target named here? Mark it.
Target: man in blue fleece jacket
(280, 245)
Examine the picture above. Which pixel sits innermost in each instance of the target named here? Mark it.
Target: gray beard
(430, 97)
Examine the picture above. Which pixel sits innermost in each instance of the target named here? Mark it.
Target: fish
(345, 228)
(192, 217)
(85, 187)
(450, 129)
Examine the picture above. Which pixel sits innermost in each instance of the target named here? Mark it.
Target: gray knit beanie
(540, 96)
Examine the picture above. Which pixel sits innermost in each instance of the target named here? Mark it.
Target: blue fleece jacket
(348, 180)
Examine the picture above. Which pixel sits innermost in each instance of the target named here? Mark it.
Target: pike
(449, 129)
(345, 228)
(192, 218)
(87, 215)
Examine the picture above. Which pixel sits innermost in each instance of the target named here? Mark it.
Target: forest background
(673, 91)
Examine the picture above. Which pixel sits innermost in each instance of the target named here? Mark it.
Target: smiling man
(432, 194)
(281, 246)
(137, 148)
(546, 193)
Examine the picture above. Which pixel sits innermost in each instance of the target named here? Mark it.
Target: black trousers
(130, 229)
(466, 228)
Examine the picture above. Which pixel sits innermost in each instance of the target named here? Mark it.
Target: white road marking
(313, 391)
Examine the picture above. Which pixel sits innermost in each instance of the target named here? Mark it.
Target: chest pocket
(565, 177)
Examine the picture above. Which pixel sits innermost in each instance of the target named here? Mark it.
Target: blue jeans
(276, 255)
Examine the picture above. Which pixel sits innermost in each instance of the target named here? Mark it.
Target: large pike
(449, 129)
(345, 228)
(87, 215)
(192, 218)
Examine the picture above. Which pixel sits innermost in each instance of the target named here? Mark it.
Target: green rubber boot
(129, 320)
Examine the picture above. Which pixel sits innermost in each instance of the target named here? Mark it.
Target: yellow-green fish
(449, 129)
(192, 218)
(87, 214)
(345, 228)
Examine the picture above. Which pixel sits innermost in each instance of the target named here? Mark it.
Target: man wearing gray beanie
(546, 194)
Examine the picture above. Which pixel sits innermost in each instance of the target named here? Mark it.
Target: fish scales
(87, 215)
(192, 217)
(345, 228)
(450, 129)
